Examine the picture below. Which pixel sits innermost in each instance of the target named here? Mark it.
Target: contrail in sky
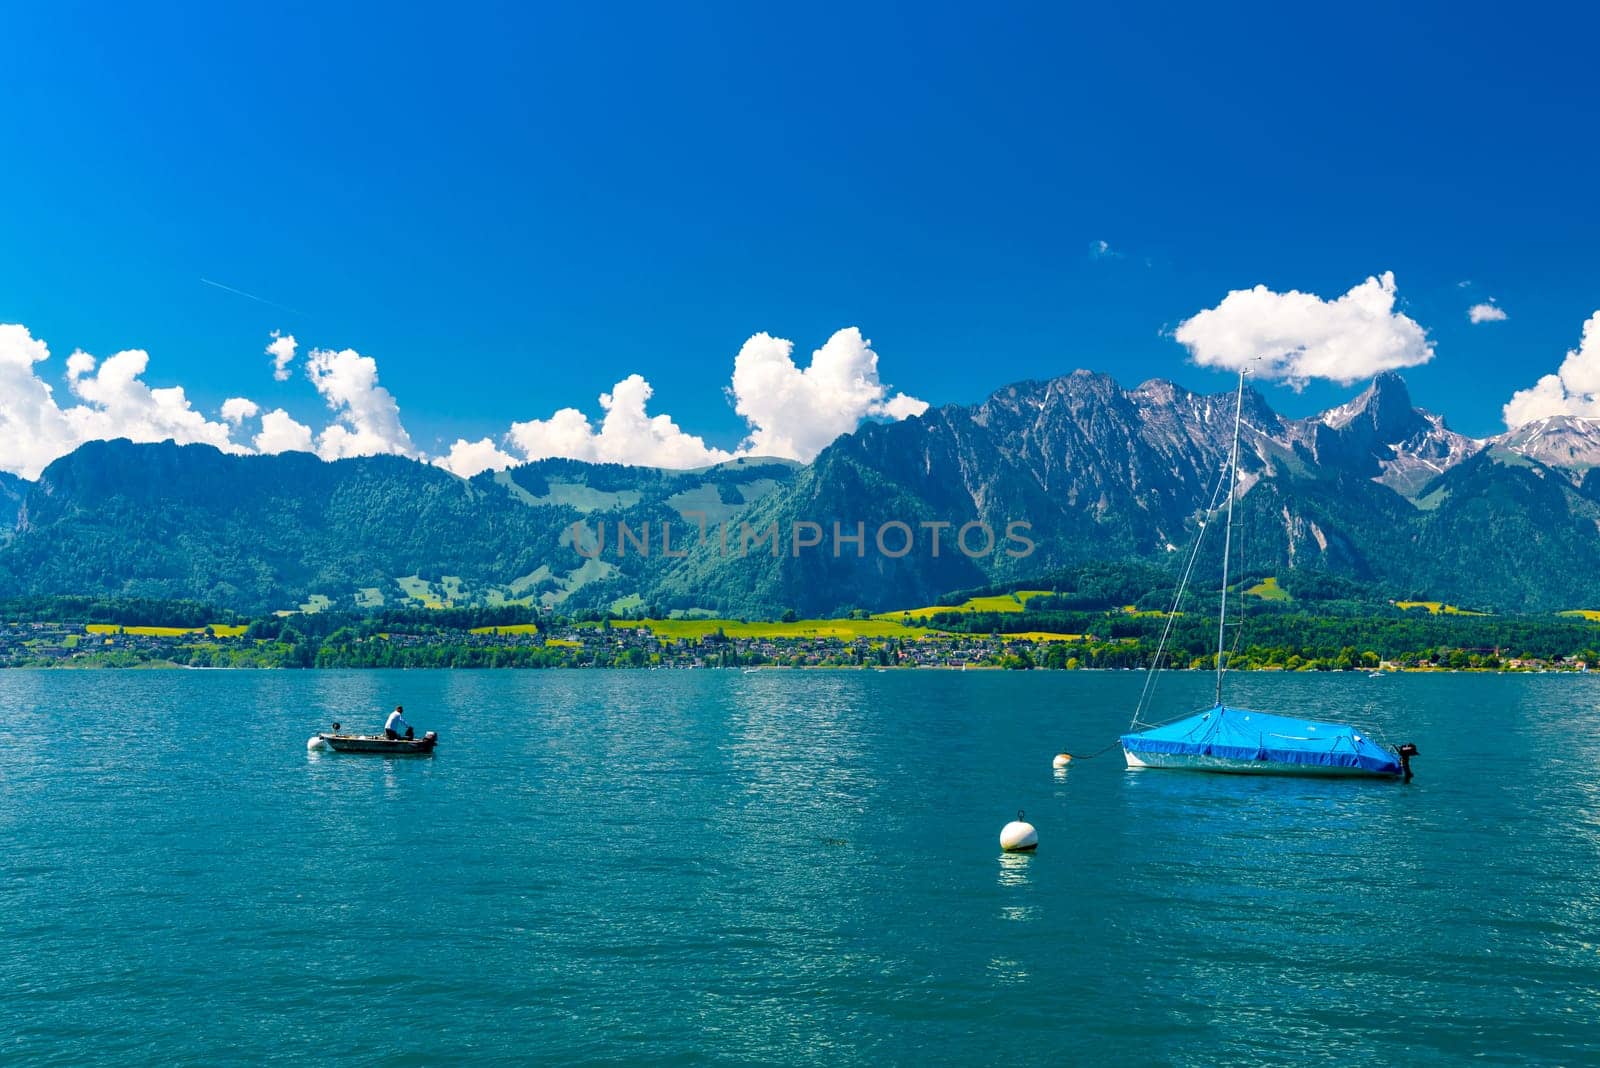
(252, 296)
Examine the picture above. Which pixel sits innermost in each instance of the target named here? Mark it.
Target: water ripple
(789, 867)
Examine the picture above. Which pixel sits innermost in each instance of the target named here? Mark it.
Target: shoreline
(776, 668)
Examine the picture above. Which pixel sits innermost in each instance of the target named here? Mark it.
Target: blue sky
(511, 208)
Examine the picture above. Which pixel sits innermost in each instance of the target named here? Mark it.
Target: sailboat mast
(1227, 534)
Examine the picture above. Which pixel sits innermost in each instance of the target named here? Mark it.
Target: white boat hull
(1229, 766)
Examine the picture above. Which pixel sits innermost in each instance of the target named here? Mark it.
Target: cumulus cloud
(114, 402)
(236, 410)
(367, 417)
(1299, 336)
(1573, 390)
(468, 458)
(281, 432)
(281, 349)
(795, 412)
(1488, 312)
(1101, 250)
(33, 430)
(626, 435)
(118, 404)
(790, 411)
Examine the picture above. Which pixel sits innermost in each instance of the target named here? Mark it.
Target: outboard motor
(1405, 753)
(433, 737)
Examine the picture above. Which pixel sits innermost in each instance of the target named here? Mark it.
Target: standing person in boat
(396, 720)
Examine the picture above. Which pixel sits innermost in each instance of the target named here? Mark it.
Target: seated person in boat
(396, 720)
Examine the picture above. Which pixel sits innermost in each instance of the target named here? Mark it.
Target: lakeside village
(580, 645)
(865, 642)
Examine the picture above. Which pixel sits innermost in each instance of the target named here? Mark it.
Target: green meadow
(1438, 608)
(1005, 602)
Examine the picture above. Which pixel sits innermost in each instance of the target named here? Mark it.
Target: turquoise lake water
(784, 867)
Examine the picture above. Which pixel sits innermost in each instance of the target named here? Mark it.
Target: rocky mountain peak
(1384, 408)
(1569, 442)
(1382, 434)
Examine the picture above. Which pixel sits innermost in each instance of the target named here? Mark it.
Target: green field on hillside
(1005, 602)
(144, 632)
(1437, 608)
(1268, 590)
(220, 630)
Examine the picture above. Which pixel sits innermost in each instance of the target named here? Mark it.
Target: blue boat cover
(1239, 734)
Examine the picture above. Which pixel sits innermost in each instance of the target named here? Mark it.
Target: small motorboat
(374, 743)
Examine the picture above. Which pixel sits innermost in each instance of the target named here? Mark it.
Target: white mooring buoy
(1061, 760)
(1018, 836)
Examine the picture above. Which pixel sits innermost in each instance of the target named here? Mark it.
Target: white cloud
(281, 432)
(1488, 312)
(115, 402)
(797, 413)
(236, 410)
(33, 431)
(790, 411)
(118, 404)
(1101, 250)
(627, 435)
(281, 349)
(1300, 336)
(79, 364)
(1573, 390)
(367, 416)
(468, 458)
(900, 406)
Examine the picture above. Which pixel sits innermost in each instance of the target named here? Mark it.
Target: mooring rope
(1097, 752)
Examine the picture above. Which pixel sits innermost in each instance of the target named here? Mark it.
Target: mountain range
(1375, 490)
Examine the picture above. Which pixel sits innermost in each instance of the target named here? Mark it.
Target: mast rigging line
(1229, 476)
(1177, 600)
(1227, 535)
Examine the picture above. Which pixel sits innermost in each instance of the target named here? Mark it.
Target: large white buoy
(1061, 760)
(315, 742)
(1018, 836)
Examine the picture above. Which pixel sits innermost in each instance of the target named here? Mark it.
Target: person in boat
(397, 720)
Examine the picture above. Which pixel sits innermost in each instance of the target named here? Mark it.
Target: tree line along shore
(88, 633)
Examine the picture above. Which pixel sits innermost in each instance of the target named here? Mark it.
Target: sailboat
(1242, 741)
